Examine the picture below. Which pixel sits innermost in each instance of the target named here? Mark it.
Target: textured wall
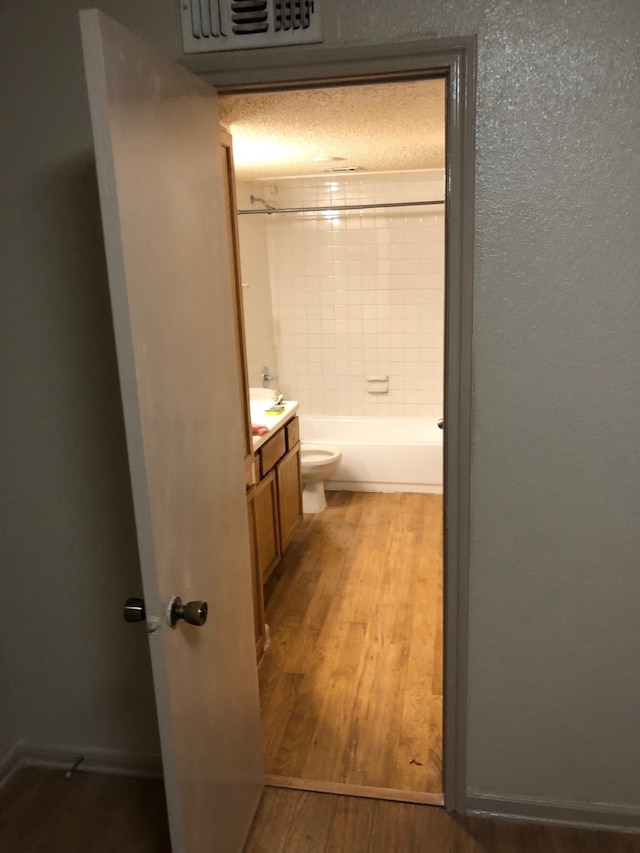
(79, 676)
(8, 736)
(554, 685)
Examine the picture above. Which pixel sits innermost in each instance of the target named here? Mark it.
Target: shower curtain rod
(336, 207)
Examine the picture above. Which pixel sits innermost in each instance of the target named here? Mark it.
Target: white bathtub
(380, 454)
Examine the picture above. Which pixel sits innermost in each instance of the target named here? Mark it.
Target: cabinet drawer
(293, 433)
(272, 451)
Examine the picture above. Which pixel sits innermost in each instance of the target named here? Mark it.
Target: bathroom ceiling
(382, 127)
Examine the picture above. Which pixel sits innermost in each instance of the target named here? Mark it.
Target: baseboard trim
(394, 794)
(562, 813)
(10, 763)
(115, 762)
(358, 486)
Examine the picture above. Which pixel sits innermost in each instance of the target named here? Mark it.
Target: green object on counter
(274, 410)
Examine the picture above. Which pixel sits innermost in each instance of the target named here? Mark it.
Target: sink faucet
(266, 377)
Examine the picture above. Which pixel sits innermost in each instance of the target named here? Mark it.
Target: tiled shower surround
(333, 299)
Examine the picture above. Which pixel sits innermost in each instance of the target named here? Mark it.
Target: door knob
(193, 612)
(134, 610)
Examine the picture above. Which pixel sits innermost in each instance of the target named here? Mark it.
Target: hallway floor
(302, 822)
(42, 812)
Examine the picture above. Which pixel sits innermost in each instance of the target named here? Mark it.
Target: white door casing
(156, 136)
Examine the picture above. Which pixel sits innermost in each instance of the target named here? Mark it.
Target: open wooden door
(157, 145)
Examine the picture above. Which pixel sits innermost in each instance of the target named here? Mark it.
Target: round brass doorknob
(193, 612)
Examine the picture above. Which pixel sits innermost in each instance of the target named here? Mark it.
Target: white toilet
(318, 462)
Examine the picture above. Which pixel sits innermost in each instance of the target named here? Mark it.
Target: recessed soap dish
(377, 384)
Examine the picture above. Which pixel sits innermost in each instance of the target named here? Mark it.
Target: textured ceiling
(378, 128)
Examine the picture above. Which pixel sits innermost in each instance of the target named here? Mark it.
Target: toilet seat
(317, 455)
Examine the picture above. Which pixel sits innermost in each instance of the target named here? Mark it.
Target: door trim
(454, 59)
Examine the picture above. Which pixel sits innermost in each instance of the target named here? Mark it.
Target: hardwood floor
(41, 811)
(351, 686)
(302, 822)
(351, 690)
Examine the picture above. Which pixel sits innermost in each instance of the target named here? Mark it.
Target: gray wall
(78, 676)
(554, 686)
(7, 729)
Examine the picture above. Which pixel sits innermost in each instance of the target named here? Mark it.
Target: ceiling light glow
(253, 150)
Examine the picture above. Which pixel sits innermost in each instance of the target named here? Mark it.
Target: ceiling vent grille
(213, 25)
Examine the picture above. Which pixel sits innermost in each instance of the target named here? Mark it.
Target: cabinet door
(256, 582)
(289, 494)
(265, 512)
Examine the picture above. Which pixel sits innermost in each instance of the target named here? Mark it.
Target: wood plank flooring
(43, 812)
(351, 686)
(302, 822)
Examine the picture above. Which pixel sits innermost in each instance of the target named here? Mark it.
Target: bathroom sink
(258, 408)
(261, 399)
(258, 395)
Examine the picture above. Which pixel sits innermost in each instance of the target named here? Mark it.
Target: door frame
(455, 60)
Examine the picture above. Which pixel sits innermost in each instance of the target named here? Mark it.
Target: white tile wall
(354, 295)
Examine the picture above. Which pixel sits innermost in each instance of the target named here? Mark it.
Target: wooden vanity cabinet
(290, 484)
(277, 498)
(289, 495)
(256, 583)
(274, 507)
(271, 452)
(263, 500)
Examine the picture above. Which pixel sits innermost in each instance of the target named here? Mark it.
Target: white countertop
(273, 422)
